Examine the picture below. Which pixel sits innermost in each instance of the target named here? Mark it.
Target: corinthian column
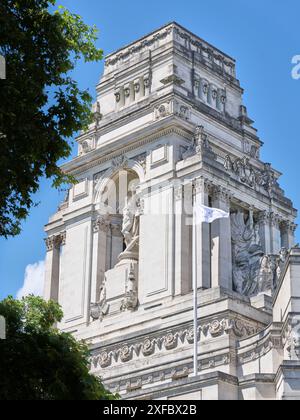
(221, 248)
(51, 286)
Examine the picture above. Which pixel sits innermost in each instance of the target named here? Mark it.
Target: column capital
(202, 185)
(275, 219)
(221, 194)
(263, 217)
(102, 223)
(292, 227)
(55, 241)
(178, 192)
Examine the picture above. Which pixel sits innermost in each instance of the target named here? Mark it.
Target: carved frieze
(172, 339)
(249, 175)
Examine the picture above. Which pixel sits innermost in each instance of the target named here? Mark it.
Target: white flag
(208, 214)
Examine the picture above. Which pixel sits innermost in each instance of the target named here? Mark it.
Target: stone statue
(130, 227)
(281, 259)
(265, 275)
(130, 302)
(247, 254)
(100, 309)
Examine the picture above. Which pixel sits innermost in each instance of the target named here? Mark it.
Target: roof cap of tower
(161, 33)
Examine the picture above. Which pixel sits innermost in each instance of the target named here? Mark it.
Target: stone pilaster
(221, 247)
(117, 243)
(287, 230)
(265, 231)
(51, 286)
(101, 228)
(202, 188)
(275, 233)
(183, 239)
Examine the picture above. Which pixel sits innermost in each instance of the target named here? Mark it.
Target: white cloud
(33, 280)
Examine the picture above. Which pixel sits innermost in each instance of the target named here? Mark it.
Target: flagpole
(195, 292)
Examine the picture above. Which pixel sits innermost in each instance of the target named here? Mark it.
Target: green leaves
(41, 105)
(40, 363)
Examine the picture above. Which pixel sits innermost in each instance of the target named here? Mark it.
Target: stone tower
(170, 130)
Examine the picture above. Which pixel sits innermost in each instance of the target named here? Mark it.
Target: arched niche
(111, 185)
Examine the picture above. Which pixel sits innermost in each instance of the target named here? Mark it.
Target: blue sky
(262, 36)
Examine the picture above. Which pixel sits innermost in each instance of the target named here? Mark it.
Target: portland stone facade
(170, 131)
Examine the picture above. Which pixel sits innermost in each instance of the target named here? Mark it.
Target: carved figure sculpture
(247, 254)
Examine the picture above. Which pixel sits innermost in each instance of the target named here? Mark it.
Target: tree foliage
(40, 363)
(41, 105)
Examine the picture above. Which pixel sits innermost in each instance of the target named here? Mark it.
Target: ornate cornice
(139, 142)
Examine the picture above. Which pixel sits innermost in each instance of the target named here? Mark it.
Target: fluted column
(203, 267)
(221, 250)
(51, 286)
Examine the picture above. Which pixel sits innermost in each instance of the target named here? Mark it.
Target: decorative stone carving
(137, 86)
(242, 168)
(247, 253)
(250, 176)
(104, 359)
(253, 272)
(101, 224)
(55, 241)
(266, 273)
(293, 346)
(127, 91)
(125, 353)
(148, 347)
(177, 337)
(97, 113)
(119, 162)
(280, 263)
(162, 110)
(101, 308)
(200, 144)
(130, 227)
(170, 341)
(130, 302)
(118, 96)
(142, 160)
(147, 81)
(219, 193)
